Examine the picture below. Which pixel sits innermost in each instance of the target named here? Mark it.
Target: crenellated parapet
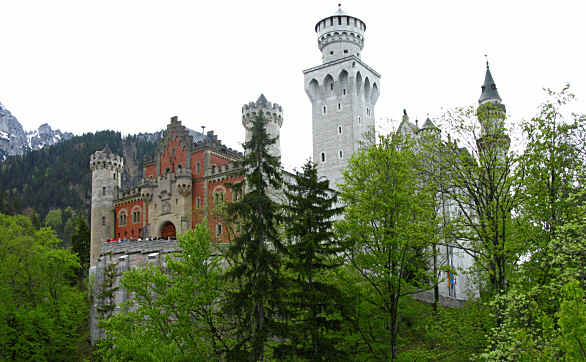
(105, 159)
(272, 112)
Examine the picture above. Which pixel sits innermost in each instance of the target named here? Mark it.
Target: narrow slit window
(344, 91)
(323, 157)
(339, 106)
(340, 154)
(339, 129)
(324, 110)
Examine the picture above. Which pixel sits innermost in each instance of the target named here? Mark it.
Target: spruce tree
(314, 304)
(255, 252)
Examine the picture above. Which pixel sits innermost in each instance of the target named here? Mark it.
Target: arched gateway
(168, 231)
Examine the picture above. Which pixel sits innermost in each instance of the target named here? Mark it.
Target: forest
(324, 275)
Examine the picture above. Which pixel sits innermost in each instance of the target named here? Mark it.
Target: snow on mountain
(15, 141)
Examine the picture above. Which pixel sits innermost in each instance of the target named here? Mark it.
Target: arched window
(122, 215)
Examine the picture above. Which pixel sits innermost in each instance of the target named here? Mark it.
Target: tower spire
(489, 91)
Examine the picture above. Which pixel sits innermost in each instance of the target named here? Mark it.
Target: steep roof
(489, 91)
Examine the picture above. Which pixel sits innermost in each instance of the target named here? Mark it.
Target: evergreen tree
(257, 248)
(315, 305)
(80, 243)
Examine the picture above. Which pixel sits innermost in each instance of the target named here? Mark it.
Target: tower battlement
(340, 35)
(105, 159)
(273, 115)
(272, 112)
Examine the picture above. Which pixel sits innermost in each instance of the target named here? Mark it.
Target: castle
(190, 176)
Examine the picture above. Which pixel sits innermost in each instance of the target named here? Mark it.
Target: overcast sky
(129, 66)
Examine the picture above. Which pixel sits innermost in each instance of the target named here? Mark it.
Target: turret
(491, 115)
(340, 35)
(106, 169)
(273, 115)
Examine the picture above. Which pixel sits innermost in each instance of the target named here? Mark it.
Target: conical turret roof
(489, 91)
(262, 100)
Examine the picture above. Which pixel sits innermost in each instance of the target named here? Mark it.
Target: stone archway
(168, 231)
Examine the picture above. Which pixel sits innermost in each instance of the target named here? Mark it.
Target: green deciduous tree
(386, 227)
(41, 313)
(174, 313)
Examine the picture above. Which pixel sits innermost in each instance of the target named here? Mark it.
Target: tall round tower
(106, 169)
(343, 92)
(340, 35)
(272, 113)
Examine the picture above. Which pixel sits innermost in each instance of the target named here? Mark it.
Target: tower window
(359, 120)
(332, 86)
(344, 91)
(104, 191)
(218, 229)
(324, 110)
(340, 154)
(339, 106)
(103, 221)
(339, 129)
(339, 20)
(197, 168)
(323, 157)
(367, 111)
(347, 21)
(197, 203)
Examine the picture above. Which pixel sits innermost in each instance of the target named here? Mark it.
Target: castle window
(344, 91)
(218, 197)
(367, 111)
(324, 110)
(323, 157)
(332, 86)
(359, 120)
(136, 217)
(103, 221)
(197, 203)
(339, 129)
(331, 21)
(122, 218)
(340, 154)
(339, 106)
(347, 21)
(218, 229)
(104, 191)
(197, 168)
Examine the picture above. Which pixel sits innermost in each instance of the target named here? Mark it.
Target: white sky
(129, 66)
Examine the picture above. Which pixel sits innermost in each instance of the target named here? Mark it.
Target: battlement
(340, 35)
(272, 112)
(105, 159)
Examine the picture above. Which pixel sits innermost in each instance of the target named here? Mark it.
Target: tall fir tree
(315, 306)
(255, 252)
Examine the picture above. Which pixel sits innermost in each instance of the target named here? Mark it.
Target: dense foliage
(42, 311)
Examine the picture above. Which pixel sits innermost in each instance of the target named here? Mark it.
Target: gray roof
(262, 100)
(489, 91)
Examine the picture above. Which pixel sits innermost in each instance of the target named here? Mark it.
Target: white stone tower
(343, 92)
(106, 169)
(273, 114)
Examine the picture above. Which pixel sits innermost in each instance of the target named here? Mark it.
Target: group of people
(123, 240)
